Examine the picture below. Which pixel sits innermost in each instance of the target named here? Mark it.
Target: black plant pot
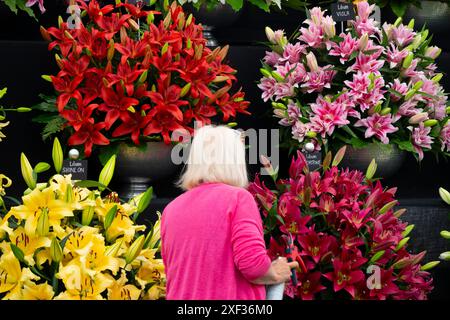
(221, 16)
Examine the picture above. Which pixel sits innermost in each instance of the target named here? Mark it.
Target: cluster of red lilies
(347, 233)
(124, 74)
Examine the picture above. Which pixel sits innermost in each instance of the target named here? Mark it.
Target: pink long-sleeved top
(213, 246)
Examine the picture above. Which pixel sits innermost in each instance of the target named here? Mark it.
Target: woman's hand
(279, 272)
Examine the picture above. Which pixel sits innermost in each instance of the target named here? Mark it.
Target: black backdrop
(24, 58)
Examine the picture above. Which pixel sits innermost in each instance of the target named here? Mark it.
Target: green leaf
(405, 145)
(349, 131)
(12, 5)
(89, 184)
(54, 126)
(399, 7)
(236, 4)
(41, 167)
(261, 4)
(107, 152)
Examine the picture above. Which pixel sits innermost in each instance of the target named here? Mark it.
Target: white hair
(217, 154)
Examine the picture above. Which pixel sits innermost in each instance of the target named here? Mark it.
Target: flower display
(126, 74)
(345, 232)
(367, 84)
(68, 242)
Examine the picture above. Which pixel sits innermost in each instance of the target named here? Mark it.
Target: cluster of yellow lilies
(64, 243)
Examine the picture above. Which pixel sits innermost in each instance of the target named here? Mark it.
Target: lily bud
(433, 52)
(60, 21)
(232, 124)
(57, 156)
(111, 50)
(312, 62)
(411, 24)
(143, 77)
(107, 172)
(69, 194)
(47, 78)
(181, 21)
(123, 35)
(156, 234)
(424, 34)
(385, 111)
(112, 250)
(266, 73)
(407, 61)
(189, 20)
(311, 134)
(277, 76)
(45, 35)
(417, 85)
(398, 21)
(430, 123)
(430, 265)
(411, 93)
(387, 207)
(417, 118)
(270, 35)
(133, 24)
(150, 18)
(402, 243)
(377, 256)
(198, 51)
(22, 109)
(408, 230)
(43, 225)
(447, 110)
(363, 41)
(279, 105)
(56, 252)
(371, 169)
(399, 213)
(417, 41)
(88, 213)
(135, 249)
(445, 256)
(445, 234)
(445, 195)
(437, 77)
(185, 90)
(27, 172)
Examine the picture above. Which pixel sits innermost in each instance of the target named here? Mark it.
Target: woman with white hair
(212, 235)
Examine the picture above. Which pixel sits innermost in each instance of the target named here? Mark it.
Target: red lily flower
(168, 98)
(81, 116)
(309, 285)
(114, 104)
(131, 49)
(294, 222)
(343, 277)
(163, 122)
(94, 10)
(387, 287)
(315, 245)
(89, 135)
(357, 217)
(64, 43)
(92, 40)
(73, 67)
(264, 196)
(132, 123)
(67, 89)
(112, 24)
(126, 76)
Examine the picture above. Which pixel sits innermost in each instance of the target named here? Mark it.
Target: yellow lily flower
(122, 291)
(155, 292)
(28, 244)
(2, 125)
(5, 182)
(81, 241)
(78, 199)
(33, 291)
(36, 205)
(12, 276)
(80, 285)
(151, 271)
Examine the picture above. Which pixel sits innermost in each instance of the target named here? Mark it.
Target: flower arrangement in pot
(345, 231)
(65, 241)
(366, 85)
(129, 75)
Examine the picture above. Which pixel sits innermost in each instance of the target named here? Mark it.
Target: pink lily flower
(421, 139)
(378, 126)
(31, 3)
(345, 48)
(327, 116)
